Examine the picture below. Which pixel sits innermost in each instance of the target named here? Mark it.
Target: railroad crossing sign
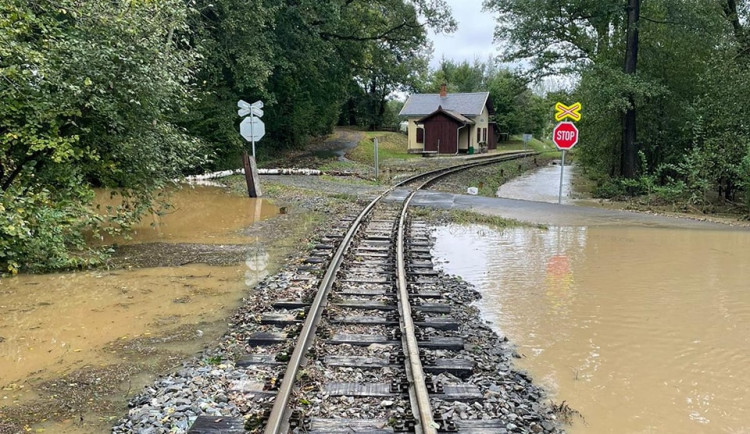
(573, 112)
(246, 105)
(254, 110)
(252, 129)
(565, 135)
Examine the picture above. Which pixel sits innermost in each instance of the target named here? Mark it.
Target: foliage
(87, 89)
(126, 95)
(308, 61)
(692, 66)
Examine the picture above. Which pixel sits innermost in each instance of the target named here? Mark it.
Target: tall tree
(88, 90)
(628, 161)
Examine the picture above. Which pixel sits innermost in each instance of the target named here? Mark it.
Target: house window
(479, 135)
(420, 135)
(485, 134)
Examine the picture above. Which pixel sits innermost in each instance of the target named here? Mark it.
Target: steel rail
(418, 388)
(278, 420)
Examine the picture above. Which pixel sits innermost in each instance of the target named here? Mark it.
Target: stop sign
(565, 135)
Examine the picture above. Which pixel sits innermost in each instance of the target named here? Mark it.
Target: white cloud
(473, 37)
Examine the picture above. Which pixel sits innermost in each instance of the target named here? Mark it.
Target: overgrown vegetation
(130, 95)
(686, 80)
(464, 217)
(87, 91)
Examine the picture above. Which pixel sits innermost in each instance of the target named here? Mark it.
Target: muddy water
(53, 325)
(541, 185)
(641, 330)
(197, 214)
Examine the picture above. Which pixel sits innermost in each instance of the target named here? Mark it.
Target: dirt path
(342, 140)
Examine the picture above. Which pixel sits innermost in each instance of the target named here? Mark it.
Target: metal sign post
(252, 135)
(565, 136)
(252, 129)
(375, 143)
(562, 169)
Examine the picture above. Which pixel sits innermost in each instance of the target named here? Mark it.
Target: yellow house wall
(412, 136)
(463, 135)
(482, 121)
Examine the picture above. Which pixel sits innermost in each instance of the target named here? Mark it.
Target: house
(449, 123)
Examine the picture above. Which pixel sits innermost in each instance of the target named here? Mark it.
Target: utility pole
(627, 162)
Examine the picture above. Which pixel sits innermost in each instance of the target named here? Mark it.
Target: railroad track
(374, 332)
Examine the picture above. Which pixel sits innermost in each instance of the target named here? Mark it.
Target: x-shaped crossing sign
(573, 112)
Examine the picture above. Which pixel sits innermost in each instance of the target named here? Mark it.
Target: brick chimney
(443, 92)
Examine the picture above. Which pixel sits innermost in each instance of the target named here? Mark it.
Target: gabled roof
(458, 117)
(467, 104)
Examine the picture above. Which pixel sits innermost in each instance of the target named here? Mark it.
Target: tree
(589, 40)
(628, 164)
(309, 59)
(517, 109)
(87, 92)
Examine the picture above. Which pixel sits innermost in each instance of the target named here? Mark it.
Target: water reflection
(198, 214)
(256, 263)
(54, 324)
(642, 330)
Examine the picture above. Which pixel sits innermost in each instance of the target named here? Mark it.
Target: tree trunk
(628, 161)
(740, 33)
(352, 108)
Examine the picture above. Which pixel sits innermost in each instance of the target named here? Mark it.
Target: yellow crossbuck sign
(573, 112)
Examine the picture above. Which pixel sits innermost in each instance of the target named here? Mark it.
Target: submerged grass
(467, 217)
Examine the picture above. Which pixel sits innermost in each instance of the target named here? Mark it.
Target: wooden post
(251, 175)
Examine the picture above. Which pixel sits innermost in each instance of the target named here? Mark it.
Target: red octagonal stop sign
(565, 135)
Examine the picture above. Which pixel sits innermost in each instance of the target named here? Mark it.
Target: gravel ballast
(212, 384)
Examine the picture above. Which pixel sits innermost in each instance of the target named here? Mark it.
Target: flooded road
(641, 330)
(148, 319)
(541, 185)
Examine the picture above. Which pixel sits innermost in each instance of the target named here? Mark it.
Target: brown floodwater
(641, 330)
(542, 185)
(54, 324)
(197, 214)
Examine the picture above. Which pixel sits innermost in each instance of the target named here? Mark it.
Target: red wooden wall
(443, 130)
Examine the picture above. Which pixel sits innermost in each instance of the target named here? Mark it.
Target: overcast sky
(472, 39)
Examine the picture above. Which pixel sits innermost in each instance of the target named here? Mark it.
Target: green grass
(465, 217)
(342, 166)
(516, 142)
(391, 146)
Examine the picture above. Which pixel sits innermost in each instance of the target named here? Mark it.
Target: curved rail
(278, 420)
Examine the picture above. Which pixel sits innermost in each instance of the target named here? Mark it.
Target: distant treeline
(664, 84)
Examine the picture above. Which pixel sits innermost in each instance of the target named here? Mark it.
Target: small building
(449, 123)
